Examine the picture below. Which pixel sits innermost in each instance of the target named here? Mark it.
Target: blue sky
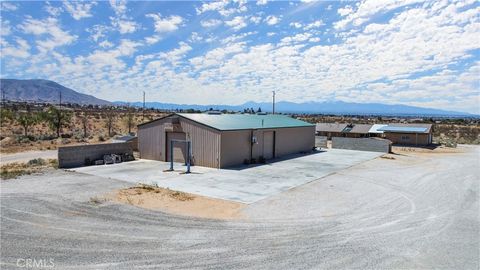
(229, 52)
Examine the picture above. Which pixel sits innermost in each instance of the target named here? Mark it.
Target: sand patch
(176, 202)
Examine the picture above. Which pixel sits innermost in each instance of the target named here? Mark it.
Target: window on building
(405, 138)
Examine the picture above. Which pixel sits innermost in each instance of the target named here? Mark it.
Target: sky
(229, 52)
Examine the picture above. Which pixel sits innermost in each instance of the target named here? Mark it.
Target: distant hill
(44, 91)
(333, 107)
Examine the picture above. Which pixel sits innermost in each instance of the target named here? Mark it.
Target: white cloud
(79, 10)
(53, 11)
(272, 20)
(262, 2)
(48, 27)
(125, 26)
(22, 50)
(368, 9)
(6, 28)
(105, 44)
(295, 39)
(210, 23)
(237, 23)
(166, 24)
(296, 24)
(119, 6)
(221, 7)
(195, 37)
(255, 19)
(8, 6)
(345, 10)
(315, 24)
(98, 31)
(153, 39)
(211, 6)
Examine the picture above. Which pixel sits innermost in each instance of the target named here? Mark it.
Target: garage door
(268, 144)
(179, 149)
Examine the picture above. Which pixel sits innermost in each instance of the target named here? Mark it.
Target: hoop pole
(188, 156)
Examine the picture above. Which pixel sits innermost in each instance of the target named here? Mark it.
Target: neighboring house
(224, 140)
(403, 134)
(342, 130)
(133, 140)
(408, 134)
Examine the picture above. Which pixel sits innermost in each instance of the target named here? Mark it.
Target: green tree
(84, 121)
(5, 115)
(129, 119)
(110, 116)
(57, 118)
(26, 120)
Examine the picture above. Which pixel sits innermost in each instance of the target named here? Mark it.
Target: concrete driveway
(243, 184)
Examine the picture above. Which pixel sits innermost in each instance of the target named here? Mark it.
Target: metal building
(224, 140)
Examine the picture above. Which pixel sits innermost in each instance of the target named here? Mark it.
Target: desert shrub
(24, 139)
(101, 138)
(36, 162)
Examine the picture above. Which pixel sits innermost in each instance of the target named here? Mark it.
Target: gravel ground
(414, 212)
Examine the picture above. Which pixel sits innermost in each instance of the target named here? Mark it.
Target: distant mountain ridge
(48, 91)
(329, 107)
(44, 91)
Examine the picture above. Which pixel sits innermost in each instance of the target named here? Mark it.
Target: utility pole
(143, 112)
(60, 99)
(273, 104)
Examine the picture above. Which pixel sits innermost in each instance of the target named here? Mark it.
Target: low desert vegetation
(16, 169)
(27, 126)
(177, 195)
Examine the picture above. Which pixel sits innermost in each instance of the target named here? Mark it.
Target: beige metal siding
(268, 144)
(294, 140)
(151, 141)
(205, 141)
(235, 147)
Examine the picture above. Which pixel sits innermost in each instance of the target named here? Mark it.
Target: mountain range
(48, 91)
(44, 91)
(328, 107)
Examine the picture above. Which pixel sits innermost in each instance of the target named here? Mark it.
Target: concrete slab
(243, 184)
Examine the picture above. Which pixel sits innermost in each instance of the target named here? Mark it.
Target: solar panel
(403, 129)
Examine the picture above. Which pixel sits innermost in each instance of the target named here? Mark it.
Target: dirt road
(413, 212)
(26, 156)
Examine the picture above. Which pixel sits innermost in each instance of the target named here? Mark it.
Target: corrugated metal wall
(151, 141)
(205, 141)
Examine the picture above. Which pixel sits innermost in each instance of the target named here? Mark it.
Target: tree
(26, 120)
(129, 119)
(259, 109)
(56, 118)
(84, 121)
(110, 116)
(5, 115)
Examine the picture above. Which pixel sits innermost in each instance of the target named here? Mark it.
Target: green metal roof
(244, 121)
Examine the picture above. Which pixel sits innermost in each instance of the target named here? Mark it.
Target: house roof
(375, 128)
(345, 128)
(330, 127)
(360, 128)
(407, 128)
(244, 121)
